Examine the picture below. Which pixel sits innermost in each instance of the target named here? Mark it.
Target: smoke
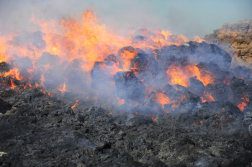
(146, 68)
(190, 18)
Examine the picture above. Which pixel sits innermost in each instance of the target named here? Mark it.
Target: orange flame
(127, 56)
(75, 105)
(14, 73)
(12, 84)
(120, 101)
(162, 99)
(90, 42)
(181, 75)
(62, 88)
(207, 98)
(152, 117)
(198, 39)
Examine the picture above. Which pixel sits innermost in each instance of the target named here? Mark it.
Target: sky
(187, 17)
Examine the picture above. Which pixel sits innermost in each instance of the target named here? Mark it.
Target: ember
(241, 106)
(75, 105)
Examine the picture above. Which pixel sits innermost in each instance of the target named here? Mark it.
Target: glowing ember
(152, 117)
(207, 98)
(75, 105)
(120, 101)
(246, 98)
(241, 106)
(226, 82)
(196, 123)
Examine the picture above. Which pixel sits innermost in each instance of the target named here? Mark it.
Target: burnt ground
(39, 130)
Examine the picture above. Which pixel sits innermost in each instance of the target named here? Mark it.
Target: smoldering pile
(178, 106)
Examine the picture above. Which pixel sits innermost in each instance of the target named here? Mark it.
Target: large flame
(86, 40)
(181, 75)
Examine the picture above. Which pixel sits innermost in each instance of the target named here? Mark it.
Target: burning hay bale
(219, 92)
(129, 86)
(193, 51)
(196, 86)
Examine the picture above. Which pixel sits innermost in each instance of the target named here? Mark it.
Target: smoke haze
(190, 18)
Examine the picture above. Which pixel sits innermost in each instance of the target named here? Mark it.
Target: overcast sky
(188, 17)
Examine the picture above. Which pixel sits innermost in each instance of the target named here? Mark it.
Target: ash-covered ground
(42, 129)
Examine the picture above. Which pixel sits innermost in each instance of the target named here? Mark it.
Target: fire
(181, 75)
(226, 82)
(166, 34)
(2, 50)
(12, 84)
(14, 73)
(152, 117)
(127, 56)
(120, 101)
(245, 100)
(198, 39)
(178, 77)
(49, 94)
(42, 79)
(241, 106)
(75, 105)
(62, 88)
(82, 39)
(162, 99)
(89, 42)
(207, 98)
(196, 123)
(36, 85)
